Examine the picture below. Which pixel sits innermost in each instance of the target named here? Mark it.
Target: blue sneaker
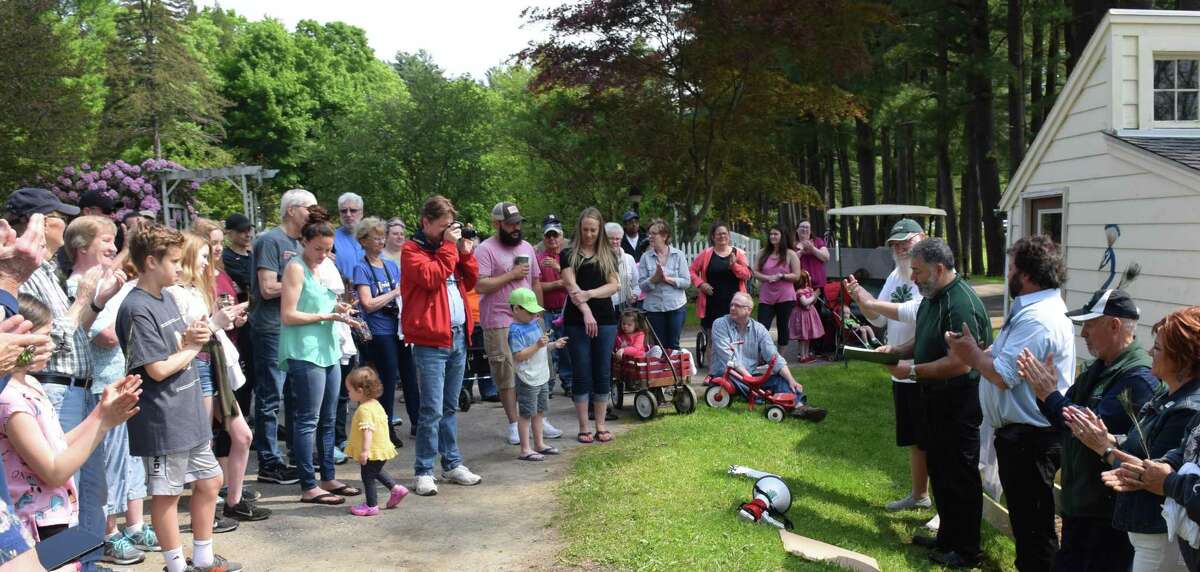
(145, 540)
(339, 456)
(119, 550)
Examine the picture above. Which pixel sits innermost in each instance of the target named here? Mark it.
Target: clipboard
(869, 355)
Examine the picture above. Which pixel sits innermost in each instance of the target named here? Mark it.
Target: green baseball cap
(904, 229)
(525, 298)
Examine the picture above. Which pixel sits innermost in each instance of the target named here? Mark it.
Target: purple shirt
(780, 291)
(813, 265)
(496, 259)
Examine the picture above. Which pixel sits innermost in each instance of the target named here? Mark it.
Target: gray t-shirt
(172, 417)
(271, 251)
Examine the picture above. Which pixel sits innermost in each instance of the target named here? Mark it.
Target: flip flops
(532, 457)
(346, 491)
(604, 436)
(549, 451)
(584, 437)
(327, 499)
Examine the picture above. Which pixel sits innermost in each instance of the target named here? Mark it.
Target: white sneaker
(909, 502)
(461, 475)
(425, 486)
(549, 431)
(934, 523)
(513, 437)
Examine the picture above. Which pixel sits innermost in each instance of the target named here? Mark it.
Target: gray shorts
(532, 399)
(166, 474)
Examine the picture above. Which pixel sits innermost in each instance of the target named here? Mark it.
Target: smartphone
(67, 546)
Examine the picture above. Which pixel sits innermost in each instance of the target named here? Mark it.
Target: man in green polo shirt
(950, 395)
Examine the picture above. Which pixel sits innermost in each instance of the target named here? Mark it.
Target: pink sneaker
(364, 510)
(398, 494)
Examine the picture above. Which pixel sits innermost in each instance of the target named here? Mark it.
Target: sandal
(604, 436)
(549, 451)
(584, 437)
(531, 457)
(346, 491)
(327, 499)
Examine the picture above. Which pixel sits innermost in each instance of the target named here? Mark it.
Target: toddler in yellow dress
(369, 443)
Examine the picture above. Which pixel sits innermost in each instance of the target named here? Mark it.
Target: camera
(467, 232)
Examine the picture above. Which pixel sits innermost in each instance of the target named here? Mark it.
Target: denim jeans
(126, 475)
(73, 405)
(271, 389)
(668, 325)
(314, 390)
(560, 357)
(592, 361)
(440, 371)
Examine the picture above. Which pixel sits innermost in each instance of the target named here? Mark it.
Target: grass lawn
(658, 498)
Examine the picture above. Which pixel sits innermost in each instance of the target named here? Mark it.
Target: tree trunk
(1037, 62)
(889, 179)
(979, 87)
(1016, 86)
(843, 156)
(1052, 68)
(971, 257)
(865, 154)
(945, 180)
(830, 190)
(157, 136)
(900, 164)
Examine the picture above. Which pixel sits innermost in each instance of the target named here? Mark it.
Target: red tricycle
(722, 388)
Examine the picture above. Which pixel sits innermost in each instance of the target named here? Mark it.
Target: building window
(1177, 89)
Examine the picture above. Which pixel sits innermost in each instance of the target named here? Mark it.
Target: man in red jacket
(437, 268)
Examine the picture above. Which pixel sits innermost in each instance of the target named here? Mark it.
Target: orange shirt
(473, 305)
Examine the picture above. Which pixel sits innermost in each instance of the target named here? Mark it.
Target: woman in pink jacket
(719, 272)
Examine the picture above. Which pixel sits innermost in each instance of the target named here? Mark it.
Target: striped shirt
(72, 354)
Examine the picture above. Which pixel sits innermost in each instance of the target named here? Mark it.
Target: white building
(1120, 153)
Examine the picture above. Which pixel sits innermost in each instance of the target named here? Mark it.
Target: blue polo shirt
(349, 252)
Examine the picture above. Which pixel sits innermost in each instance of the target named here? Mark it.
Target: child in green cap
(528, 344)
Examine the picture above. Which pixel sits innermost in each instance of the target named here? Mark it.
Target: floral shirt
(36, 504)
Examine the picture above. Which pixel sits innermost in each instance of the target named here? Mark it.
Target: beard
(903, 266)
(927, 288)
(1014, 287)
(509, 239)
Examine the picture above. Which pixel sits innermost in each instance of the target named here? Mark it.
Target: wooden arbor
(176, 215)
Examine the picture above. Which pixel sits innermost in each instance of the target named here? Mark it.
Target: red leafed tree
(709, 86)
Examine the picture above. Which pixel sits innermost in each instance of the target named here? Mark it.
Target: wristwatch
(912, 371)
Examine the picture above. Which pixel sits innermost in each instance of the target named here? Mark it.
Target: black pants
(952, 418)
(780, 313)
(1093, 545)
(371, 472)
(1028, 457)
(343, 404)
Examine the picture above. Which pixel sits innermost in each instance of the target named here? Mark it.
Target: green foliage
(658, 498)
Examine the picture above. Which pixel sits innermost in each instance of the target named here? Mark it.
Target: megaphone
(772, 498)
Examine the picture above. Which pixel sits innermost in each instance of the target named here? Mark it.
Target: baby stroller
(847, 322)
(477, 370)
(649, 377)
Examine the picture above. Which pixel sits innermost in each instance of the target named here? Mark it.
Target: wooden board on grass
(818, 551)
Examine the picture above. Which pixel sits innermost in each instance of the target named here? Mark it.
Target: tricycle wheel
(716, 396)
(645, 405)
(685, 400)
(701, 348)
(775, 413)
(616, 393)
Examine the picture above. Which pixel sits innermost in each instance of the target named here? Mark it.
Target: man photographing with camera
(505, 264)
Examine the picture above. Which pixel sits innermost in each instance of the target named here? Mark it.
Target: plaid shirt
(72, 354)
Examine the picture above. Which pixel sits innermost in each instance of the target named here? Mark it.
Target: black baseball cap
(1112, 302)
(630, 215)
(97, 199)
(31, 200)
(237, 222)
(551, 224)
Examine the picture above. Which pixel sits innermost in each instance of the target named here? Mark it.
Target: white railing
(748, 245)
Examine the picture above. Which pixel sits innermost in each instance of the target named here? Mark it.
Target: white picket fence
(748, 245)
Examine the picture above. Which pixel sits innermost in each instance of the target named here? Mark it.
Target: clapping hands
(119, 401)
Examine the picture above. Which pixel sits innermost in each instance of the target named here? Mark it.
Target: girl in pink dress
(805, 323)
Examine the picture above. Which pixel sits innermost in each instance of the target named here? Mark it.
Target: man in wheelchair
(746, 346)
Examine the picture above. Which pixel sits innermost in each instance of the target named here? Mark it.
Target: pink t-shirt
(495, 259)
(36, 504)
(780, 290)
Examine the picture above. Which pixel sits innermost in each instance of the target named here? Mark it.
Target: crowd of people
(138, 360)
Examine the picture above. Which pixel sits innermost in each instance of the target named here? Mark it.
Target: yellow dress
(370, 415)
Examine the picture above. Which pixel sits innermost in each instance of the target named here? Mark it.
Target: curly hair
(366, 380)
(1039, 258)
(1179, 336)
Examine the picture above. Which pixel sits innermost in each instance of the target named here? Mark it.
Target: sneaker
(247, 493)
(364, 510)
(220, 564)
(119, 550)
(513, 437)
(549, 431)
(934, 523)
(246, 511)
(278, 475)
(397, 495)
(145, 539)
(223, 524)
(339, 456)
(424, 486)
(461, 475)
(909, 502)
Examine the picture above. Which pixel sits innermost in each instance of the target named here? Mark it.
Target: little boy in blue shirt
(528, 344)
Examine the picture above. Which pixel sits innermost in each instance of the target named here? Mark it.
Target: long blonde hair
(204, 281)
(603, 257)
(203, 228)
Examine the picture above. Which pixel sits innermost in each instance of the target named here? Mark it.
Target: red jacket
(423, 272)
(699, 271)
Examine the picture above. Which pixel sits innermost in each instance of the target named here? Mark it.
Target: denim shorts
(532, 399)
(204, 370)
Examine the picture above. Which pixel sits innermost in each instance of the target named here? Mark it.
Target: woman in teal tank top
(310, 353)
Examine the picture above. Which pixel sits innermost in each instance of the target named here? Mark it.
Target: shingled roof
(1182, 150)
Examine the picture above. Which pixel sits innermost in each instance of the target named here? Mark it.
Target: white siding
(1128, 49)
